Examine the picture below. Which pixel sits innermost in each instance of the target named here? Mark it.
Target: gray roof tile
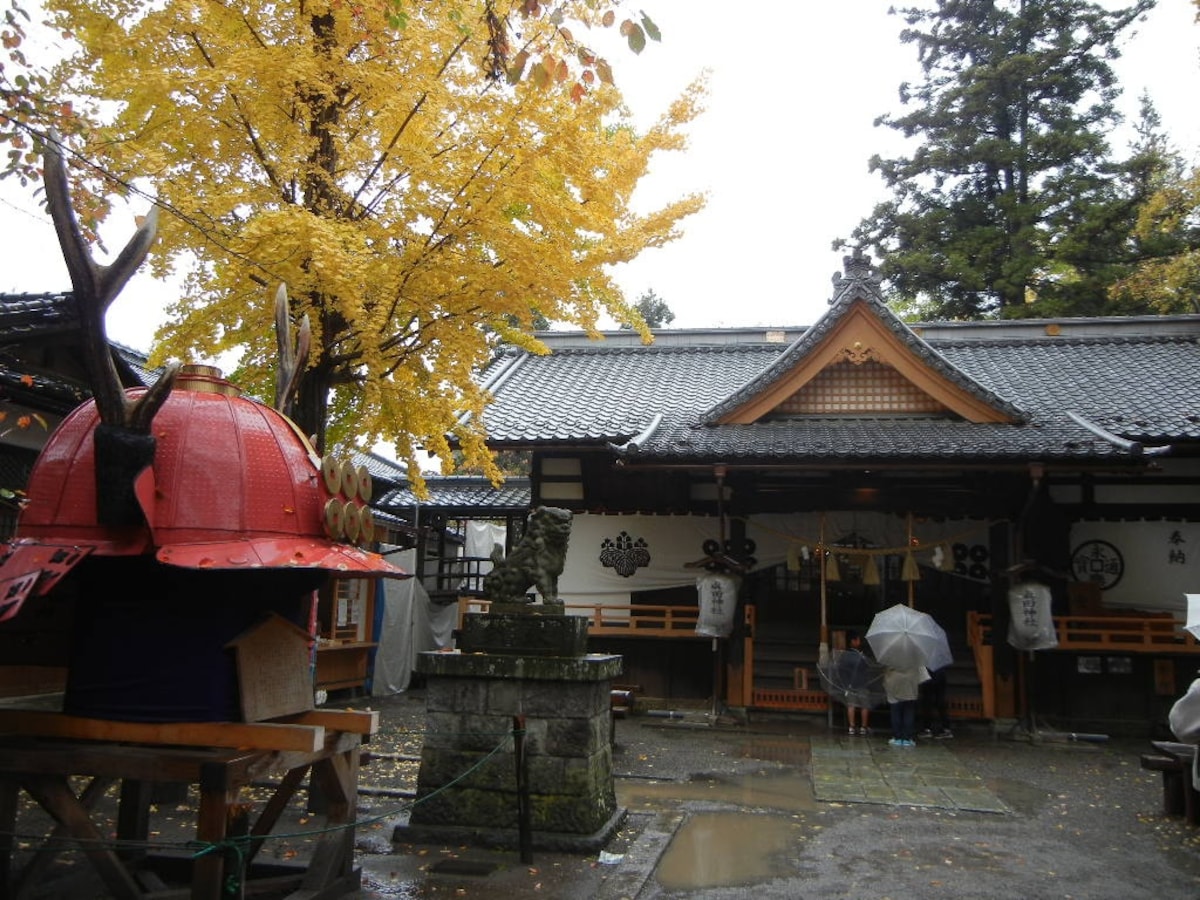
(1144, 386)
(27, 316)
(452, 493)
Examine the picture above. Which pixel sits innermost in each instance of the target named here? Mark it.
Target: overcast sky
(782, 153)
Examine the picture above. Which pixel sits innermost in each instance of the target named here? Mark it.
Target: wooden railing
(1104, 634)
(458, 574)
(1114, 634)
(626, 620)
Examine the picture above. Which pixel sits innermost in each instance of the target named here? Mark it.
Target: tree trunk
(312, 403)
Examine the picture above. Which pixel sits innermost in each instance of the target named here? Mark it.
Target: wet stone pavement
(781, 807)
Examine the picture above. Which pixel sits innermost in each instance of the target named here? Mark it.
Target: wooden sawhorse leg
(53, 794)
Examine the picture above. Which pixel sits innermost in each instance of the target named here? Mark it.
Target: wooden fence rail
(1112, 633)
(626, 620)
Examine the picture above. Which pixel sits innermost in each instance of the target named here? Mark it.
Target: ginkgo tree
(399, 165)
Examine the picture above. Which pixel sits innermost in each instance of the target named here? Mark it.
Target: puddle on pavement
(782, 750)
(785, 791)
(722, 849)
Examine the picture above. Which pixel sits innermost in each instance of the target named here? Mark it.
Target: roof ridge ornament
(858, 272)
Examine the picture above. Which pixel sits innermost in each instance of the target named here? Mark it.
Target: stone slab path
(867, 770)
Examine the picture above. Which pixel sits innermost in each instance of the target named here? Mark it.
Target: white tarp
(409, 624)
(480, 538)
(1146, 565)
(400, 629)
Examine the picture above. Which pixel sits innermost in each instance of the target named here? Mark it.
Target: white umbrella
(1193, 615)
(904, 638)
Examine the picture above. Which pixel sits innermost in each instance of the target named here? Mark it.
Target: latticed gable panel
(863, 388)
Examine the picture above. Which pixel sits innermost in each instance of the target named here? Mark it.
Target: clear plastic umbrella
(904, 638)
(852, 678)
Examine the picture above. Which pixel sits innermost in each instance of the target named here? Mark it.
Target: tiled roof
(28, 316)
(135, 361)
(460, 493)
(47, 392)
(385, 473)
(53, 318)
(601, 394)
(1137, 378)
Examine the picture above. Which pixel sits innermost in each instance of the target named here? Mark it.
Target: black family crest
(624, 554)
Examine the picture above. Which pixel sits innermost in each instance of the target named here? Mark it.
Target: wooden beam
(355, 721)
(251, 735)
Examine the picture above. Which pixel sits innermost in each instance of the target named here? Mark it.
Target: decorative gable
(867, 388)
(860, 360)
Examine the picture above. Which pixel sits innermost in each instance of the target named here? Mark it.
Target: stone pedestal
(466, 788)
(535, 629)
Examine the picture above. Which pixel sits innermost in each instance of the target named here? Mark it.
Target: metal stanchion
(524, 812)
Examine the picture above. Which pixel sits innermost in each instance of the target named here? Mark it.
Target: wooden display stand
(344, 630)
(342, 666)
(40, 751)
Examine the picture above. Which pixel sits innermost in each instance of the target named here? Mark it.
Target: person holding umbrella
(909, 643)
(858, 702)
(903, 687)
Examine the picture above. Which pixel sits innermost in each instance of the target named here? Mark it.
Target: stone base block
(519, 634)
(509, 838)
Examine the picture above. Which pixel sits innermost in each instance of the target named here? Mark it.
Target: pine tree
(653, 309)
(1010, 122)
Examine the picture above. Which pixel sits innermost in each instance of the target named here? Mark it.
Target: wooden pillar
(333, 857)
(1004, 656)
(212, 820)
(133, 814)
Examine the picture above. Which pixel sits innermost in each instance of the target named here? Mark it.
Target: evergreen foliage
(1011, 176)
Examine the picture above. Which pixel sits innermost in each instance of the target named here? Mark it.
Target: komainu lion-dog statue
(536, 561)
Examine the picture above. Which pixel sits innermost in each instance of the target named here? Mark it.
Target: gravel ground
(727, 811)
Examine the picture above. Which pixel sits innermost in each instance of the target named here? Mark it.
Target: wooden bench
(1175, 761)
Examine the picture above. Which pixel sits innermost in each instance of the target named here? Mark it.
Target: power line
(130, 187)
